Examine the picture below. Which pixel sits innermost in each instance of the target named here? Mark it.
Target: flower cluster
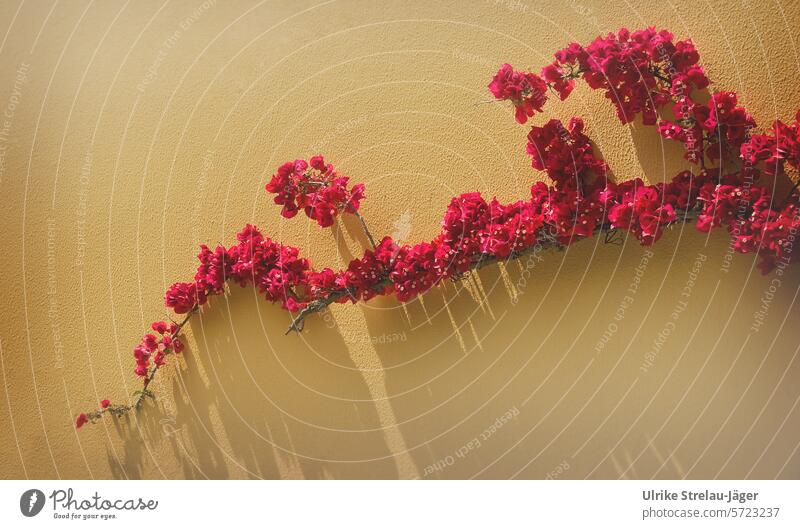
(640, 72)
(715, 129)
(776, 149)
(641, 210)
(314, 187)
(564, 153)
(569, 214)
(363, 278)
(156, 348)
(527, 91)
(754, 222)
(185, 297)
(275, 269)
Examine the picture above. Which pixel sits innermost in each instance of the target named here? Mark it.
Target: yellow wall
(138, 130)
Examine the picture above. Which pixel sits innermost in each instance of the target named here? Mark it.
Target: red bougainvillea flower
(641, 210)
(512, 228)
(413, 270)
(314, 187)
(183, 297)
(639, 71)
(726, 203)
(81, 420)
(719, 125)
(727, 125)
(626, 67)
(277, 270)
(154, 349)
(367, 277)
(527, 91)
(564, 153)
(215, 268)
(776, 149)
(463, 220)
(105, 403)
(558, 79)
(569, 215)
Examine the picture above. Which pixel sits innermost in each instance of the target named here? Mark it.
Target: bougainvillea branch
(481, 261)
(645, 74)
(150, 346)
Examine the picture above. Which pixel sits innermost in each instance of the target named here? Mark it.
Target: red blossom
(315, 188)
(183, 297)
(632, 68)
(565, 153)
(779, 147)
(527, 91)
(558, 79)
(153, 349)
(641, 210)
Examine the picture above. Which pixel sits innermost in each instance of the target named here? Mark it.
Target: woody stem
(366, 230)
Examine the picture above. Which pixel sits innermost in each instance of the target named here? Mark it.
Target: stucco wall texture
(134, 131)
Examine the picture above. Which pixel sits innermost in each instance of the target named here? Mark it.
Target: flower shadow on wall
(256, 403)
(475, 350)
(259, 404)
(148, 435)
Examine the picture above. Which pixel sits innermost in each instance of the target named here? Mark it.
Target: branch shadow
(288, 406)
(511, 372)
(250, 402)
(515, 372)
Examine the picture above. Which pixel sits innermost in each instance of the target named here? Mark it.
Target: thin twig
(366, 230)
